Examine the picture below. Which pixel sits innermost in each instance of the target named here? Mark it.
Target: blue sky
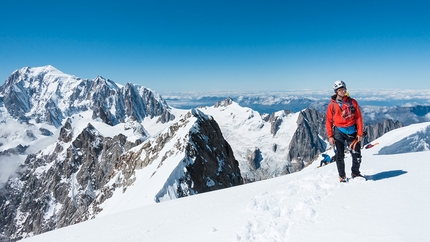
(223, 45)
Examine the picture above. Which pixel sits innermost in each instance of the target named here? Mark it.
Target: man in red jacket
(344, 126)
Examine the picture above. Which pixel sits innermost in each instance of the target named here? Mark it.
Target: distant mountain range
(405, 106)
(71, 148)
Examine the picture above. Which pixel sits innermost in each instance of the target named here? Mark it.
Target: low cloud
(9, 165)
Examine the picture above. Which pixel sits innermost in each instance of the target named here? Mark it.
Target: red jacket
(343, 117)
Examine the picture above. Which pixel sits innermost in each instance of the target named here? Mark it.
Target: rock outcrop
(377, 130)
(306, 144)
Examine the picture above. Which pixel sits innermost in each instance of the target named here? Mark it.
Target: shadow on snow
(385, 175)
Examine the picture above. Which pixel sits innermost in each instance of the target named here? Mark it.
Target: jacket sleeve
(329, 120)
(359, 117)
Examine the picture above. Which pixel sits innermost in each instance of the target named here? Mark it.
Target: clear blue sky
(223, 45)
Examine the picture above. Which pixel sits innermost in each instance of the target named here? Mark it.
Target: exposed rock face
(56, 188)
(377, 130)
(214, 166)
(275, 121)
(66, 133)
(17, 104)
(224, 103)
(306, 144)
(256, 159)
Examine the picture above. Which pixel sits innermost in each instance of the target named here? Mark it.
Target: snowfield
(310, 205)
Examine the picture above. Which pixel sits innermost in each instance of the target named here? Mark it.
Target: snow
(310, 205)
(53, 207)
(244, 128)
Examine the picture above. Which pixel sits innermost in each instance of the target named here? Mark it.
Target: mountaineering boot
(343, 179)
(356, 175)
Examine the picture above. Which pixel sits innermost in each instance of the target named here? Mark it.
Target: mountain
(404, 106)
(45, 94)
(35, 102)
(79, 149)
(310, 205)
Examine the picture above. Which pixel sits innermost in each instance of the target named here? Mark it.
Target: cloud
(13, 134)
(9, 166)
(366, 97)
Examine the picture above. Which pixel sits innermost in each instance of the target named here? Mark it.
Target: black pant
(342, 140)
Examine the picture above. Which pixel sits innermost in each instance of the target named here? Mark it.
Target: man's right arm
(329, 123)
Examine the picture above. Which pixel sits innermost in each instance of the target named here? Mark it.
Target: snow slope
(310, 205)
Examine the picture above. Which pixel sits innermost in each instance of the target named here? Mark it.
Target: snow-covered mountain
(310, 205)
(85, 149)
(46, 95)
(35, 102)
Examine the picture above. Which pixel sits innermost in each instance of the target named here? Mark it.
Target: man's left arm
(359, 121)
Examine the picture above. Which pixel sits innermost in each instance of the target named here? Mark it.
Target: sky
(309, 205)
(176, 46)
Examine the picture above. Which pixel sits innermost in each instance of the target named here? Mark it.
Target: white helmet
(338, 84)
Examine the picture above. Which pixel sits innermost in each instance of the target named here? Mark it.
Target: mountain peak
(41, 69)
